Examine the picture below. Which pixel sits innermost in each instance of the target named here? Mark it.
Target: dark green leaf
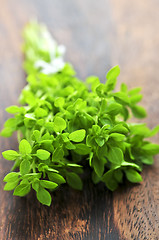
(74, 180)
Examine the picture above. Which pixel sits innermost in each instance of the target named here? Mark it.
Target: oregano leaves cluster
(63, 124)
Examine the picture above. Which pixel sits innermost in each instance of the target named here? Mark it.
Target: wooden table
(98, 35)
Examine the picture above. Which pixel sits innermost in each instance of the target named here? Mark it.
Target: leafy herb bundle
(63, 122)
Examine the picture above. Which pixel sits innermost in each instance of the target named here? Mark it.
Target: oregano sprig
(64, 124)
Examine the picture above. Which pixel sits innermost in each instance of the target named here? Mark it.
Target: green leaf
(98, 165)
(11, 177)
(122, 98)
(150, 148)
(119, 128)
(24, 147)
(133, 176)
(11, 185)
(77, 136)
(22, 190)
(42, 154)
(58, 154)
(117, 136)
(59, 102)
(59, 124)
(24, 167)
(138, 111)
(135, 99)
(57, 178)
(10, 155)
(118, 175)
(44, 196)
(74, 180)
(82, 149)
(147, 160)
(13, 109)
(36, 135)
(111, 76)
(40, 112)
(115, 155)
(48, 184)
(113, 108)
(35, 185)
(109, 180)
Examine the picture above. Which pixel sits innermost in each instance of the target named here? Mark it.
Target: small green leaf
(74, 180)
(42, 154)
(22, 190)
(113, 108)
(59, 102)
(111, 77)
(147, 160)
(25, 167)
(59, 124)
(98, 165)
(48, 184)
(82, 149)
(13, 109)
(24, 147)
(10, 155)
(77, 136)
(35, 185)
(133, 176)
(150, 148)
(44, 196)
(11, 177)
(115, 155)
(57, 178)
(109, 180)
(40, 112)
(11, 185)
(118, 174)
(117, 136)
(138, 111)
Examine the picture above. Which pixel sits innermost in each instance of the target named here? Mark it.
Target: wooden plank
(97, 34)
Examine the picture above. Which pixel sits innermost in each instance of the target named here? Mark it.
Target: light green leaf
(115, 155)
(10, 155)
(11, 177)
(11, 185)
(13, 109)
(40, 112)
(59, 124)
(77, 136)
(111, 77)
(138, 111)
(48, 184)
(44, 196)
(24, 147)
(59, 102)
(42, 154)
(22, 190)
(25, 167)
(150, 148)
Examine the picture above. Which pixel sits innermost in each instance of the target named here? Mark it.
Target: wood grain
(97, 34)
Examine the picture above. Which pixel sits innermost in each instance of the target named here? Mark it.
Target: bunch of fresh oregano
(64, 123)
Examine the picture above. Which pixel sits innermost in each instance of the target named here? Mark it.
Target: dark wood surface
(98, 35)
